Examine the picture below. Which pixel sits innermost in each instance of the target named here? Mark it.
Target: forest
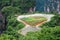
(11, 9)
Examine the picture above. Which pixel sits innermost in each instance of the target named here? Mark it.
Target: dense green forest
(10, 9)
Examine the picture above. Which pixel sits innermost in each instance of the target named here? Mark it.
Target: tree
(8, 11)
(53, 22)
(7, 37)
(47, 33)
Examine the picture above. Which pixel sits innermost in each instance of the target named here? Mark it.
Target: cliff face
(48, 5)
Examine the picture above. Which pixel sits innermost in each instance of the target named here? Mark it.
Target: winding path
(29, 28)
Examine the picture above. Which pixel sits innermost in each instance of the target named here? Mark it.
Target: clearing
(32, 22)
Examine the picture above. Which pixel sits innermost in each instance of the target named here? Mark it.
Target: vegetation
(9, 26)
(33, 20)
(45, 34)
(54, 22)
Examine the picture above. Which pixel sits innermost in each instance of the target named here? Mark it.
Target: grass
(33, 20)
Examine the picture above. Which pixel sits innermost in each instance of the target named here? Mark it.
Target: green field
(33, 20)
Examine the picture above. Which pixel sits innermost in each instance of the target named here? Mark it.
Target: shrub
(7, 37)
(55, 21)
(46, 34)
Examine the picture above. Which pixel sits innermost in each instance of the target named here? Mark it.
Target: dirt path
(29, 28)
